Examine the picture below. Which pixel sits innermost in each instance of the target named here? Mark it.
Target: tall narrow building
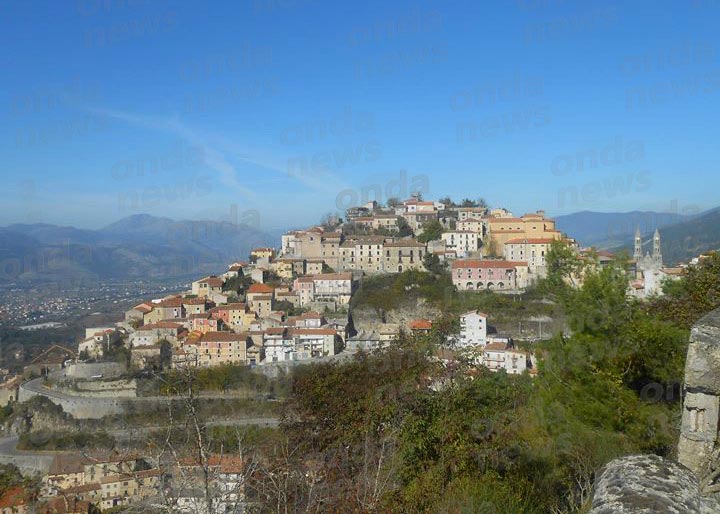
(657, 253)
(638, 246)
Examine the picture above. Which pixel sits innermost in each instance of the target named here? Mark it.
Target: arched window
(469, 285)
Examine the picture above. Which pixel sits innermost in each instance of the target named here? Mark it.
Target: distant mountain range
(134, 247)
(682, 236)
(610, 229)
(144, 246)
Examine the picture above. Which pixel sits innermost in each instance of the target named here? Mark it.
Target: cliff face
(644, 484)
(367, 319)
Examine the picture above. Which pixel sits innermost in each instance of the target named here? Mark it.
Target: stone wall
(91, 369)
(701, 408)
(77, 406)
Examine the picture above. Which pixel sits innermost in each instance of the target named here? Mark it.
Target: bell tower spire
(657, 253)
(638, 245)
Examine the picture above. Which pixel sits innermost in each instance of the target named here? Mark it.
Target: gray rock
(701, 406)
(648, 484)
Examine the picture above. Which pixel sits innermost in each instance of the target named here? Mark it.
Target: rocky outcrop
(644, 484)
(648, 484)
(697, 448)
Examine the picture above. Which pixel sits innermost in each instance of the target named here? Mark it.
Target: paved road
(27, 462)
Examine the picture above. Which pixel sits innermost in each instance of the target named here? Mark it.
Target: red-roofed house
(421, 326)
(495, 275)
(137, 312)
(212, 349)
(151, 334)
(208, 286)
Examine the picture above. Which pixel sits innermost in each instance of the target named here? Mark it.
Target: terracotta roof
(496, 347)
(143, 307)
(266, 249)
(220, 337)
(94, 486)
(225, 463)
(194, 301)
(420, 324)
(275, 331)
(260, 288)
(314, 331)
(171, 302)
(471, 263)
(160, 324)
(13, 497)
(230, 307)
(212, 281)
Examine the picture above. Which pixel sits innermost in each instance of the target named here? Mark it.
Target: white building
(464, 242)
(473, 329)
(499, 355)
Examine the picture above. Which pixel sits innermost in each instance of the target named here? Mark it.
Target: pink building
(205, 322)
(471, 275)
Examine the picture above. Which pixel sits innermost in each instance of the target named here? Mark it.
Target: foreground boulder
(648, 484)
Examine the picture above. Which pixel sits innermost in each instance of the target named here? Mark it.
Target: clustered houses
(315, 269)
(103, 480)
(88, 483)
(204, 328)
(370, 241)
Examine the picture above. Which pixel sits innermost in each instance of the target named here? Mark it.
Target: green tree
(694, 295)
(404, 229)
(432, 263)
(432, 230)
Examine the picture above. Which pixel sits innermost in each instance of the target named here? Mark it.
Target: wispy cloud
(220, 151)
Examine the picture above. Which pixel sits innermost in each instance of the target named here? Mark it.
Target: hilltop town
(292, 305)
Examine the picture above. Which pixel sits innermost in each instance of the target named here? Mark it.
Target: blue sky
(282, 110)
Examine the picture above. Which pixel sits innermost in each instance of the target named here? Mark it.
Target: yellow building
(528, 226)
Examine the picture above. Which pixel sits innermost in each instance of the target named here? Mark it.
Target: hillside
(683, 241)
(611, 229)
(134, 247)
